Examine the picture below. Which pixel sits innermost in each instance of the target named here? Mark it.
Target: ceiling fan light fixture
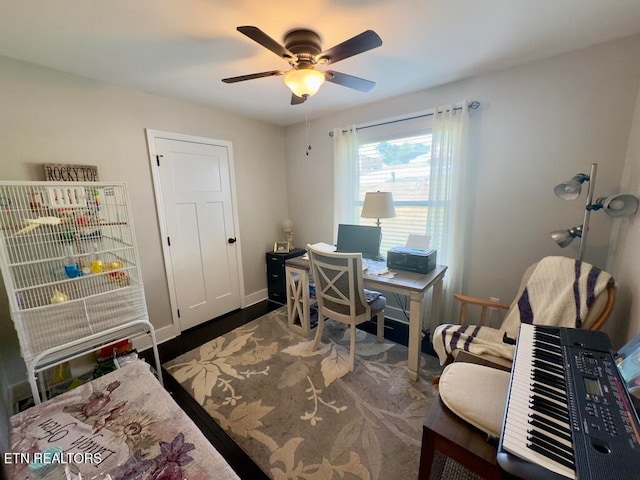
(303, 51)
(304, 81)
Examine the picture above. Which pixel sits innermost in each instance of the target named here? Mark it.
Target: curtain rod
(472, 105)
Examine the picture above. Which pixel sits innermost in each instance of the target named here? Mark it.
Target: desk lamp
(378, 205)
(287, 227)
(620, 205)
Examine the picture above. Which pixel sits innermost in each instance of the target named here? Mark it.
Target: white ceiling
(183, 48)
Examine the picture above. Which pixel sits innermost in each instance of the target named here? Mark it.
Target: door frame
(152, 135)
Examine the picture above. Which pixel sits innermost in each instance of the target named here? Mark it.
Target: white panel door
(195, 185)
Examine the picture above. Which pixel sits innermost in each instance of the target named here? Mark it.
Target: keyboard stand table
(446, 433)
(411, 284)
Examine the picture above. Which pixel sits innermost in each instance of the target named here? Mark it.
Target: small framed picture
(281, 247)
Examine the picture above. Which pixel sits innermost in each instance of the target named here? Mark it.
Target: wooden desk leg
(416, 309)
(415, 334)
(427, 452)
(436, 300)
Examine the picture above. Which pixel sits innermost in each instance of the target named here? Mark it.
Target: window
(423, 163)
(399, 163)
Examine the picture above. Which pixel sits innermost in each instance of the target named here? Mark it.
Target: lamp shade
(287, 226)
(620, 205)
(304, 81)
(570, 190)
(378, 205)
(564, 237)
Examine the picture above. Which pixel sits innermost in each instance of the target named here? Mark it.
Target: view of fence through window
(400, 166)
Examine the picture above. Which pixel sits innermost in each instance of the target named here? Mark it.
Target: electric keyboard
(568, 412)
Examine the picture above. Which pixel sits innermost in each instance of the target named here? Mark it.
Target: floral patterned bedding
(127, 421)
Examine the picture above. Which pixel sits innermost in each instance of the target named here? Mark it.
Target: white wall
(625, 258)
(538, 125)
(51, 117)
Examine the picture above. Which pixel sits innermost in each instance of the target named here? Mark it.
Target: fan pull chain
(306, 115)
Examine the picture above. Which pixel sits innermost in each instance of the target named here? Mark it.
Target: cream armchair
(594, 312)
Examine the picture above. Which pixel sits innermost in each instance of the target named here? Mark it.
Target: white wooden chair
(341, 294)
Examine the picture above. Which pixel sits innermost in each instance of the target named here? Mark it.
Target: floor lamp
(620, 205)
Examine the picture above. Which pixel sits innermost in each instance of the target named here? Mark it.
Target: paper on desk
(387, 275)
(383, 273)
(418, 241)
(325, 247)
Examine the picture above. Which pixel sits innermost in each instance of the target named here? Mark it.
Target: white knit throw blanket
(559, 292)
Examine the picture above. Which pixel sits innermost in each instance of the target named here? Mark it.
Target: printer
(411, 259)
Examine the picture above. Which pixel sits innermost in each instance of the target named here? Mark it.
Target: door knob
(231, 240)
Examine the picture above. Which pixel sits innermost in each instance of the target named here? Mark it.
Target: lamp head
(620, 205)
(564, 237)
(570, 190)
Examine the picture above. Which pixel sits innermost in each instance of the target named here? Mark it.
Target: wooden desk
(413, 285)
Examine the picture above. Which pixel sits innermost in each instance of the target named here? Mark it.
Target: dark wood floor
(193, 338)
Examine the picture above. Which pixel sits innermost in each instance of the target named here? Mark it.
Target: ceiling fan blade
(242, 78)
(360, 43)
(296, 100)
(257, 35)
(350, 81)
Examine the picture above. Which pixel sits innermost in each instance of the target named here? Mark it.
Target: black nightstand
(276, 282)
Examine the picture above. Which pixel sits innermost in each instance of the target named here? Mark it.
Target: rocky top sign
(54, 172)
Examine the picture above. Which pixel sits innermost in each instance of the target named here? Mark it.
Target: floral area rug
(301, 414)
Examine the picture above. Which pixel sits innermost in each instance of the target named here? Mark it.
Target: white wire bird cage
(70, 265)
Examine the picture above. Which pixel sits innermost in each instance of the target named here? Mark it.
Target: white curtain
(447, 190)
(345, 175)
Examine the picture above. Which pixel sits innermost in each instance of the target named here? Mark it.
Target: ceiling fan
(303, 52)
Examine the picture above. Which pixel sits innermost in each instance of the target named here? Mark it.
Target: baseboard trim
(162, 335)
(19, 392)
(255, 297)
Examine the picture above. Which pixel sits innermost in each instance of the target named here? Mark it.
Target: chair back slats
(334, 281)
(338, 282)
